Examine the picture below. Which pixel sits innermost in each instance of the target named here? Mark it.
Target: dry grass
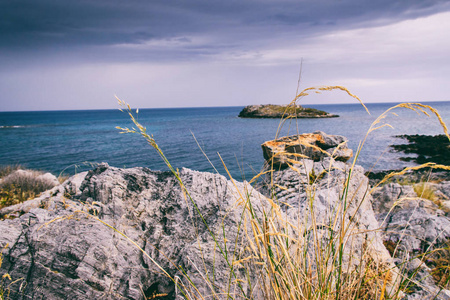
(300, 259)
(8, 169)
(19, 186)
(425, 191)
(293, 261)
(439, 261)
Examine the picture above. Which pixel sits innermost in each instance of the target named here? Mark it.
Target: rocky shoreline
(426, 148)
(58, 245)
(282, 111)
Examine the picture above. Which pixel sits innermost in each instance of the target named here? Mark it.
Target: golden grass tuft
(425, 191)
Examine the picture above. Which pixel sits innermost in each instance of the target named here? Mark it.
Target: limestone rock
(415, 229)
(389, 194)
(417, 225)
(313, 194)
(444, 188)
(423, 285)
(59, 247)
(315, 146)
(413, 226)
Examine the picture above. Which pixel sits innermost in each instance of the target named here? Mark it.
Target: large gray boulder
(391, 195)
(83, 239)
(59, 246)
(416, 224)
(393, 215)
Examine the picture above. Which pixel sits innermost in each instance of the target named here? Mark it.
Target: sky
(57, 55)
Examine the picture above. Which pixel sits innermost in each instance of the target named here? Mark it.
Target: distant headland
(279, 111)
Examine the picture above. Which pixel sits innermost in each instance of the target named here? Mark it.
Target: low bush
(21, 185)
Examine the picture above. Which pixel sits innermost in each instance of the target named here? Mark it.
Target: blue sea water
(66, 141)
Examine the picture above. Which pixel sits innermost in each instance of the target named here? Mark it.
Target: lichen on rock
(316, 146)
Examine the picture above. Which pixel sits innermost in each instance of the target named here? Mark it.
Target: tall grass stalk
(141, 130)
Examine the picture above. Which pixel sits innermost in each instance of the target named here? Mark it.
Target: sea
(211, 139)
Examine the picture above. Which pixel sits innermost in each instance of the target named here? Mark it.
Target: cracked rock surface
(315, 191)
(58, 249)
(413, 226)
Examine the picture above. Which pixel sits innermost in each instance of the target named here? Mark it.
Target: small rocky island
(282, 111)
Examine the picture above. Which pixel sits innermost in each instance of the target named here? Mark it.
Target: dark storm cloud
(57, 54)
(29, 24)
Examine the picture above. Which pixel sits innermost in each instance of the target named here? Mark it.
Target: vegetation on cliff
(18, 185)
(282, 111)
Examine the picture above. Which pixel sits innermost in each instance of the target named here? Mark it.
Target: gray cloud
(77, 54)
(27, 25)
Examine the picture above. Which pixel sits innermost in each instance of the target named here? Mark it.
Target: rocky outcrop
(427, 148)
(282, 111)
(76, 238)
(387, 196)
(70, 242)
(292, 150)
(417, 233)
(415, 230)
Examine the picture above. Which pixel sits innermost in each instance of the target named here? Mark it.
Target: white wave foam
(12, 126)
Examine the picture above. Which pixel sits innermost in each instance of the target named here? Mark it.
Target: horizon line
(214, 106)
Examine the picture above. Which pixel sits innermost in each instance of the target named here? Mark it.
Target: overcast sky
(175, 53)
